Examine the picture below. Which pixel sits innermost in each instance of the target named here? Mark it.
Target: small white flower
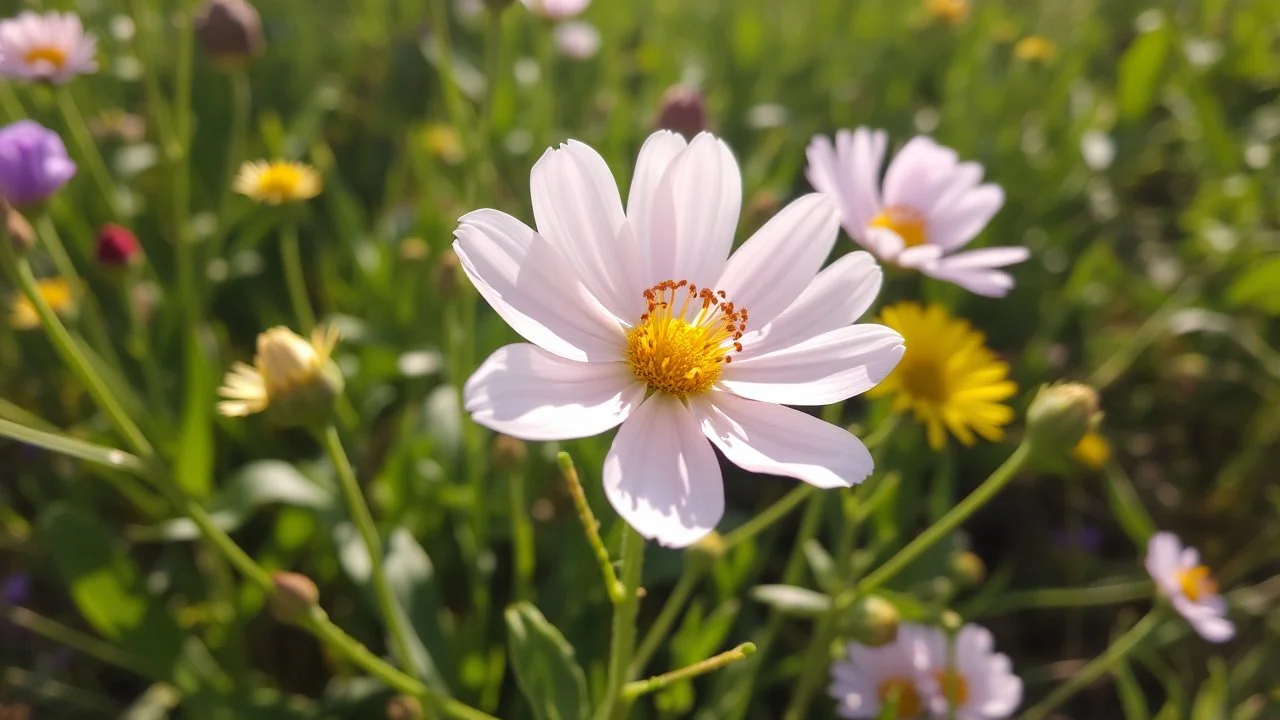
(52, 47)
(932, 205)
(641, 315)
(971, 675)
(556, 9)
(577, 39)
(866, 681)
(1189, 586)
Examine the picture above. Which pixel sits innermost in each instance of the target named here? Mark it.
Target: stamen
(1197, 583)
(906, 222)
(684, 337)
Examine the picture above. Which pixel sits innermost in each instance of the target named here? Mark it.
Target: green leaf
(258, 484)
(71, 447)
(823, 567)
(1132, 700)
(412, 579)
(792, 600)
(544, 664)
(1212, 700)
(1126, 507)
(1140, 69)
(107, 587)
(1257, 287)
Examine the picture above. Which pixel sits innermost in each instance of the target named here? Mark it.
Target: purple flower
(15, 590)
(33, 163)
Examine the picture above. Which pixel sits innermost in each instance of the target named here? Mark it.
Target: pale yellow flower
(55, 291)
(287, 370)
(1035, 48)
(277, 182)
(948, 11)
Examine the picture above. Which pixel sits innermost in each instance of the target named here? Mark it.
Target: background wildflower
(682, 110)
(33, 163)
(294, 378)
(277, 182)
(230, 31)
(1188, 586)
(971, 678)
(117, 246)
(50, 47)
(556, 9)
(1035, 49)
(576, 39)
(870, 676)
(55, 291)
(948, 11)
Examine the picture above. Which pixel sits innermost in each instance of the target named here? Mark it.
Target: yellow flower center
(280, 181)
(906, 222)
(681, 355)
(1197, 583)
(954, 687)
(924, 376)
(909, 705)
(52, 55)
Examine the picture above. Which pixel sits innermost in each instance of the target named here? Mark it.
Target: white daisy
(1189, 586)
(972, 676)
(932, 205)
(641, 316)
(52, 47)
(866, 681)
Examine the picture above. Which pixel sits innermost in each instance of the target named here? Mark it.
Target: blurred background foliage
(1135, 142)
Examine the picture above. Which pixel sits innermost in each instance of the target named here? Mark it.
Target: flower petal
(579, 211)
(838, 296)
(695, 210)
(776, 264)
(962, 219)
(662, 476)
(656, 155)
(774, 439)
(918, 174)
(849, 173)
(979, 281)
(1162, 561)
(831, 367)
(531, 287)
(524, 391)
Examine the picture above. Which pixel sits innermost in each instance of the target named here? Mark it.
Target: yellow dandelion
(948, 377)
(948, 11)
(277, 182)
(1035, 48)
(290, 375)
(55, 291)
(1093, 451)
(444, 143)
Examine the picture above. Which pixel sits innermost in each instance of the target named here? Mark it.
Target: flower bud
(967, 569)
(951, 621)
(404, 707)
(19, 230)
(292, 597)
(1059, 417)
(230, 32)
(33, 163)
(508, 453)
(683, 110)
(872, 621)
(117, 246)
(294, 381)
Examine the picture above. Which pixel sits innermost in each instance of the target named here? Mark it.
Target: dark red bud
(117, 246)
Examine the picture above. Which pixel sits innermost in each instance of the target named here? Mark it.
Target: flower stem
(623, 638)
(522, 538)
(88, 150)
(657, 632)
(1068, 597)
(76, 640)
(291, 258)
(363, 519)
(1101, 664)
(633, 690)
(949, 522)
(617, 592)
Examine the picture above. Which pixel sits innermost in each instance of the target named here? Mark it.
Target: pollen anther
(684, 337)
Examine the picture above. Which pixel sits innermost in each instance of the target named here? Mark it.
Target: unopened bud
(230, 31)
(446, 274)
(951, 621)
(873, 621)
(117, 246)
(1059, 417)
(404, 707)
(292, 597)
(19, 230)
(683, 110)
(508, 453)
(967, 569)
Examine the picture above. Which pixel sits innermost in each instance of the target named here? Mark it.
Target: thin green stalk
(76, 640)
(949, 522)
(616, 590)
(359, 509)
(633, 690)
(71, 354)
(1101, 664)
(622, 642)
(522, 538)
(73, 447)
(89, 152)
(1067, 597)
(241, 117)
(295, 278)
(671, 610)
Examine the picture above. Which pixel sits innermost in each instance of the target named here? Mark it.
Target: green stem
(1101, 664)
(1067, 597)
(76, 640)
(617, 592)
(359, 509)
(634, 690)
(88, 150)
(671, 609)
(949, 522)
(522, 538)
(294, 277)
(622, 642)
(73, 447)
(71, 354)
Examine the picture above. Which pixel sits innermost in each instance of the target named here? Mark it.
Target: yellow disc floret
(684, 338)
(55, 56)
(909, 704)
(1197, 583)
(906, 222)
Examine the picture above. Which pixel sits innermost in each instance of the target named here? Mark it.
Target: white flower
(52, 47)
(932, 205)
(641, 316)
(556, 9)
(577, 39)
(1189, 586)
(862, 684)
(970, 675)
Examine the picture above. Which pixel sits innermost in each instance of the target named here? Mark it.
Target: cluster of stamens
(684, 337)
(1197, 583)
(907, 222)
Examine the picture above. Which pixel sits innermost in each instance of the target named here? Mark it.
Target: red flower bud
(117, 246)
